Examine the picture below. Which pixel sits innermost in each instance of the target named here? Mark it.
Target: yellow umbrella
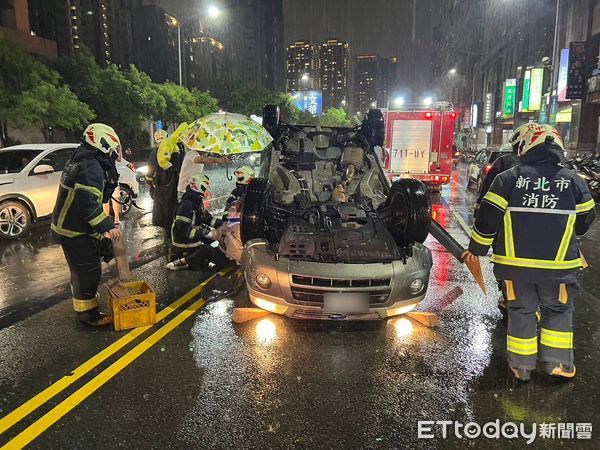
(226, 134)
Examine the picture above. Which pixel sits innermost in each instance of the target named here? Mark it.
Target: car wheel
(15, 220)
(259, 195)
(271, 115)
(125, 199)
(410, 212)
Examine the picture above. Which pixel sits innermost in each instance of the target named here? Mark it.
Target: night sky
(383, 27)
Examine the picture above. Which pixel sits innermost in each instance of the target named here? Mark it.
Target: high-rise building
(366, 82)
(387, 80)
(16, 24)
(301, 66)
(333, 72)
(76, 23)
(153, 44)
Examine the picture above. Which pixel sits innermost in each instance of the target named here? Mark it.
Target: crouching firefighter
(194, 229)
(243, 176)
(532, 215)
(80, 225)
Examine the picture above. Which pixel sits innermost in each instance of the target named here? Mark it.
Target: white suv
(29, 179)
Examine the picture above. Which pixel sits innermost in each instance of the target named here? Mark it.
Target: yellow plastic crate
(137, 309)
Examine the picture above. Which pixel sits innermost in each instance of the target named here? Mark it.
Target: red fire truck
(418, 144)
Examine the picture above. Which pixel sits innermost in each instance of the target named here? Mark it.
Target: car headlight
(263, 281)
(416, 286)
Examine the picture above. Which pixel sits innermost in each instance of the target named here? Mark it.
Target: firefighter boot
(521, 374)
(560, 370)
(94, 318)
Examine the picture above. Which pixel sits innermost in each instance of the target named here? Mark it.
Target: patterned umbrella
(226, 134)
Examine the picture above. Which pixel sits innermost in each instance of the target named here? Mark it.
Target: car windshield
(13, 161)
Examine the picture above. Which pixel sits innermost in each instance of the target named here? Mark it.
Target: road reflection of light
(404, 327)
(220, 308)
(266, 332)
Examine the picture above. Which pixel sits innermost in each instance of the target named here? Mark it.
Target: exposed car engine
(328, 199)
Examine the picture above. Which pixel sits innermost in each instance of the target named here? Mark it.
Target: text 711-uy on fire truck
(418, 144)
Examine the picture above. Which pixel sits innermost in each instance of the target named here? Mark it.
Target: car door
(43, 187)
(473, 167)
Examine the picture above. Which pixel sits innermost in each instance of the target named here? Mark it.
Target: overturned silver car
(326, 236)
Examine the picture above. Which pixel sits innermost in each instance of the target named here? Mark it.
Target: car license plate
(346, 302)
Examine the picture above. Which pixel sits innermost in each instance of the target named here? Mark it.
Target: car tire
(125, 199)
(271, 115)
(410, 212)
(15, 220)
(253, 221)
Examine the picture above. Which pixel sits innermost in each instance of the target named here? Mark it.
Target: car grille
(337, 283)
(311, 290)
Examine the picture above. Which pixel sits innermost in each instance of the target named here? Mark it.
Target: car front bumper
(298, 287)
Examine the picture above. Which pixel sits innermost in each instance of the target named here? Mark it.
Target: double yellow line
(60, 410)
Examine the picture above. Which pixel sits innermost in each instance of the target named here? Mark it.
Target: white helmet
(101, 137)
(199, 183)
(244, 175)
(160, 135)
(531, 135)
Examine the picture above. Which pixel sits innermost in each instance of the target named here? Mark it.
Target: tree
(183, 105)
(334, 117)
(48, 106)
(20, 72)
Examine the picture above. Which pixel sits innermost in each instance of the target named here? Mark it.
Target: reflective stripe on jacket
(532, 215)
(192, 222)
(78, 209)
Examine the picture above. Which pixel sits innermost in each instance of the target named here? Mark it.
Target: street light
(213, 11)
(399, 101)
(343, 103)
(428, 101)
(452, 71)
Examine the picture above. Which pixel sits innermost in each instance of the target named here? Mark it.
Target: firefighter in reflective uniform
(78, 222)
(193, 228)
(243, 176)
(532, 215)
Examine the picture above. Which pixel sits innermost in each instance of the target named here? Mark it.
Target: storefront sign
(544, 111)
(508, 98)
(526, 89)
(563, 71)
(466, 122)
(564, 115)
(474, 112)
(576, 72)
(535, 90)
(553, 109)
(310, 101)
(488, 107)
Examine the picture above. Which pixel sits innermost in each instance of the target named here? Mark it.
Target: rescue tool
(456, 250)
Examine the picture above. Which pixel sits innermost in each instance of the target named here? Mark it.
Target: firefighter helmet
(101, 137)
(516, 139)
(199, 183)
(160, 135)
(244, 175)
(539, 135)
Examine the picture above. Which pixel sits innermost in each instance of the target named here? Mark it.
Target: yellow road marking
(60, 410)
(35, 402)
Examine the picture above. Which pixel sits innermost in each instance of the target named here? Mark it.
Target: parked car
(482, 164)
(326, 235)
(29, 179)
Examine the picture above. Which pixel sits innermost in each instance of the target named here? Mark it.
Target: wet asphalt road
(278, 383)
